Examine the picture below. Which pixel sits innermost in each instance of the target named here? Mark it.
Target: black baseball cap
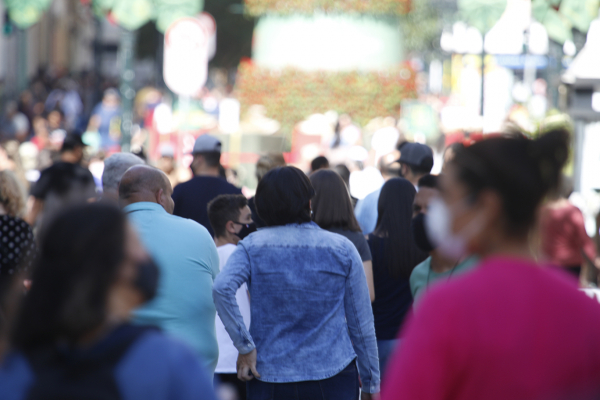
(72, 141)
(417, 155)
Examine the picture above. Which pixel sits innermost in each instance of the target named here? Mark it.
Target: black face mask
(147, 279)
(246, 230)
(420, 234)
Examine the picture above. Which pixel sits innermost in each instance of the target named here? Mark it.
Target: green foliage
(482, 14)
(391, 7)
(291, 95)
(25, 13)
(421, 26)
(133, 14)
(561, 16)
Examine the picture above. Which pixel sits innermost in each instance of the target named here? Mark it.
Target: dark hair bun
(550, 152)
(521, 170)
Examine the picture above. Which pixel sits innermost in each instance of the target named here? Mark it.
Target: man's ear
(230, 227)
(159, 195)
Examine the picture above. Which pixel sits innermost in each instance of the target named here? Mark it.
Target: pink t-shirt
(508, 330)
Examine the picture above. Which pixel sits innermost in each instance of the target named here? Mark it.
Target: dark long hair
(331, 206)
(78, 262)
(393, 224)
(283, 197)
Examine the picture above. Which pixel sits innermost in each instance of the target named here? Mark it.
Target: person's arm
(361, 328)
(368, 267)
(34, 209)
(233, 275)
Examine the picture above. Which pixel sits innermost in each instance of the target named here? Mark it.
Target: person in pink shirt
(510, 329)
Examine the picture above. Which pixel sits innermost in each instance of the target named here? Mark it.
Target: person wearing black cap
(72, 149)
(192, 197)
(416, 161)
(63, 184)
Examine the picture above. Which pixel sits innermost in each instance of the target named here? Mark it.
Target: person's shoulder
(190, 226)
(16, 377)
(164, 349)
(422, 269)
(329, 238)
(228, 188)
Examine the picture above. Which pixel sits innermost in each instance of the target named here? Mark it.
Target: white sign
(210, 24)
(186, 56)
(229, 115)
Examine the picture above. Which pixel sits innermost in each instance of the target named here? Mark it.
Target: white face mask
(438, 226)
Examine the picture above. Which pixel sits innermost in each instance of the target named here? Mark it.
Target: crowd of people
(462, 285)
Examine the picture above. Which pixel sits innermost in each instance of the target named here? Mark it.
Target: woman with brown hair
(333, 211)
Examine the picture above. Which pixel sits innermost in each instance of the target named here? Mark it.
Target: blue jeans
(343, 386)
(386, 348)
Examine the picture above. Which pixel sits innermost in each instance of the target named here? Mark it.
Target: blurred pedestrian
(509, 329)
(14, 125)
(318, 163)
(105, 119)
(437, 267)
(344, 173)
(564, 240)
(332, 210)
(416, 161)
(229, 214)
(366, 209)
(61, 185)
(192, 197)
(263, 165)
(166, 163)
(187, 258)
(17, 244)
(311, 319)
(115, 167)
(71, 150)
(72, 338)
(395, 254)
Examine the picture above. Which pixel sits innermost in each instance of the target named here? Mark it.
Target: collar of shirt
(144, 206)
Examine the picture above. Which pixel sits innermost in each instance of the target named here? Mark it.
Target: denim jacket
(310, 306)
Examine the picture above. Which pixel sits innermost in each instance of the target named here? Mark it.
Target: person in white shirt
(228, 215)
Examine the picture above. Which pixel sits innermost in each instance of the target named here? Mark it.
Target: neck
(207, 171)
(69, 158)
(517, 247)
(223, 240)
(2, 210)
(440, 264)
(137, 199)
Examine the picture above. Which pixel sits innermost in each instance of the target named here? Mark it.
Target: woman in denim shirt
(311, 315)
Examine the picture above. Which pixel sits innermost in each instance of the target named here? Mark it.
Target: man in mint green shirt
(186, 256)
(423, 276)
(435, 268)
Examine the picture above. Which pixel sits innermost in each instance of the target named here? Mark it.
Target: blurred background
(347, 79)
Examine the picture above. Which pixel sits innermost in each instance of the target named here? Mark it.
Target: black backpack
(67, 375)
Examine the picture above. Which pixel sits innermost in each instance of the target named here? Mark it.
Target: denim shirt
(310, 306)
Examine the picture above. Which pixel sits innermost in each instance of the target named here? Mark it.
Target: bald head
(143, 183)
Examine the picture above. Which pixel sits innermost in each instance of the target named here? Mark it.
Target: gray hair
(114, 168)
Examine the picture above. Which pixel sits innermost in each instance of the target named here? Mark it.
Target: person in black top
(65, 182)
(192, 197)
(395, 255)
(333, 211)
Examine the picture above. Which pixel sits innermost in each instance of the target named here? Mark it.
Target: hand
(369, 396)
(246, 364)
